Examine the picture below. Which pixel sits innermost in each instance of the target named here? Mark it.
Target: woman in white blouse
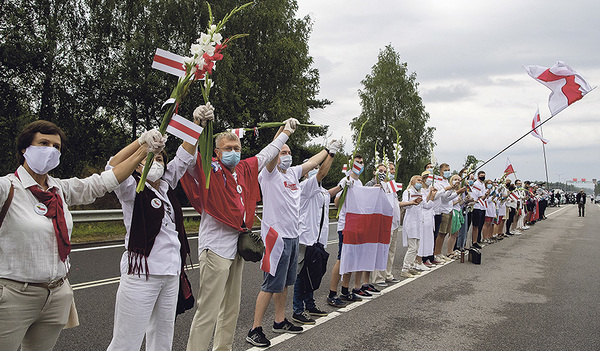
(35, 298)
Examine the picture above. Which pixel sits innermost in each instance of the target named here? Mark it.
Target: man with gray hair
(227, 208)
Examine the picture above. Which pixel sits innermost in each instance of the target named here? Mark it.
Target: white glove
(334, 146)
(204, 113)
(343, 182)
(290, 125)
(154, 140)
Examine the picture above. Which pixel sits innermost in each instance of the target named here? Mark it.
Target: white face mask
(156, 171)
(428, 182)
(286, 161)
(42, 159)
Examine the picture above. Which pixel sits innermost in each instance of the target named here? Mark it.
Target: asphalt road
(537, 291)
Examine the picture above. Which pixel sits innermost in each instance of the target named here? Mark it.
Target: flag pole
(513, 143)
(545, 163)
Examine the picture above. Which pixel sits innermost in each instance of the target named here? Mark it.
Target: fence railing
(83, 216)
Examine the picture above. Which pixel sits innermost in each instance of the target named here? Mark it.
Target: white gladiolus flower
(217, 37)
(196, 50)
(204, 39)
(212, 29)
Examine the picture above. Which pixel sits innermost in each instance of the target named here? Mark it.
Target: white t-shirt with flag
(314, 204)
(281, 200)
(342, 219)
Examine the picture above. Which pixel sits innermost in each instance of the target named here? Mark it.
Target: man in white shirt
(226, 207)
(351, 180)
(279, 182)
(443, 206)
(479, 195)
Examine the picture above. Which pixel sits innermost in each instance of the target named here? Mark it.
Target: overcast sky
(468, 57)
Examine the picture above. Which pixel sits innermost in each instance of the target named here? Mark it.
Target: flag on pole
(509, 168)
(273, 250)
(583, 179)
(238, 131)
(574, 179)
(344, 168)
(534, 125)
(168, 62)
(367, 230)
(567, 85)
(393, 186)
(184, 129)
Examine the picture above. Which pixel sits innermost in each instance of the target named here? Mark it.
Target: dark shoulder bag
(315, 262)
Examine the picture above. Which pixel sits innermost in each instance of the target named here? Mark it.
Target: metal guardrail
(86, 216)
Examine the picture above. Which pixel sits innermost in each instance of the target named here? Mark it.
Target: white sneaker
(518, 233)
(526, 227)
(422, 267)
(445, 258)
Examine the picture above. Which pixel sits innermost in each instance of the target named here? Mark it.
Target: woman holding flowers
(156, 243)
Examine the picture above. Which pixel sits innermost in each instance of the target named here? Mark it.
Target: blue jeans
(302, 299)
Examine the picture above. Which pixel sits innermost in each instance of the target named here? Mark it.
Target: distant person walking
(581, 202)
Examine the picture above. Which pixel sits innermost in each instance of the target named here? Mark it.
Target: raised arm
(289, 128)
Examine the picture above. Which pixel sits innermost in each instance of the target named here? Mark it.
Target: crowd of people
(437, 217)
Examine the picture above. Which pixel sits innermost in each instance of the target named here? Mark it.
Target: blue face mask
(489, 186)
(312, 172)
(418, 186)
(446, 174)
(230, 158)
(471, 182)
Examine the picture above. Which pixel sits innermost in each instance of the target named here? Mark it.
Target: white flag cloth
(238, 131)
(273, 250)
(184, 129)
(367, 231)
(567, 85)
(538, 131)
(168, 62)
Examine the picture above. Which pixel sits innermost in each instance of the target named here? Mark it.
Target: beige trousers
(382, 276)
(31, 316)
(219, 298)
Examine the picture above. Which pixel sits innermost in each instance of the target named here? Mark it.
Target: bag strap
(7, 203)
(322, 220)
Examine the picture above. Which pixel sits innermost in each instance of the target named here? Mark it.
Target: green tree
(390, 97)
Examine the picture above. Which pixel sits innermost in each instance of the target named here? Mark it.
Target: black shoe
(257, 338)
(335, 302)
(286, 327)
(477, 246)
(350, 297)
(316, 312)
(303, 318)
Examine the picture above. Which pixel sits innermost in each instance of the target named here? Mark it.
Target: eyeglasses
(230, 148)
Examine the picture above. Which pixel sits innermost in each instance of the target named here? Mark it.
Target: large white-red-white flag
(273, 250)
(509, 168)
(567, 85)
(168, 62)
(367, 230)
(537, 129)
(184, 129)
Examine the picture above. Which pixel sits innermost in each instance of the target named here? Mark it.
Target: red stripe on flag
(570, 89)
(270, 241)
(367, 228)
(185, 129)
(168, 62)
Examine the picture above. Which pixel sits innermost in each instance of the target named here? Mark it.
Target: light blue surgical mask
(312, 172)
(418, 186)
(230, 158)
(446, 174)
(489, 186)
(471, 182)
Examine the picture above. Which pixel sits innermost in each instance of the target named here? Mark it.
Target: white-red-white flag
(238, 131)
(357, 168)
(344, 168)
(273, 250)
(392, 186)
(514, 196)
(536, 132)
(367, 230)
(168, 62)
(567, 85)
(509, 168)
(184, 129)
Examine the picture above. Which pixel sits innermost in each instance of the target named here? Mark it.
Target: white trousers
(145, 307)
(411, 253)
